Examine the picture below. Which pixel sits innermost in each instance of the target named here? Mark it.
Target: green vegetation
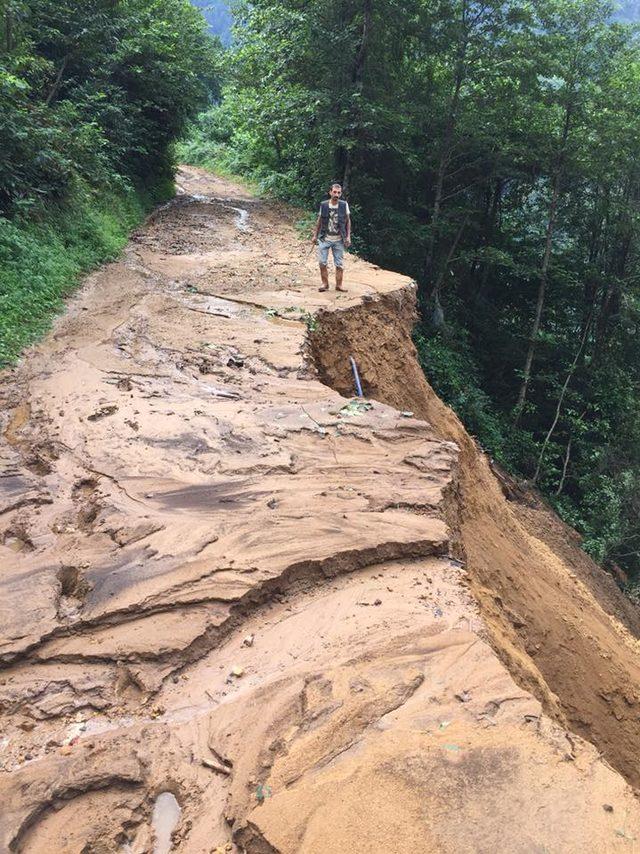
(490, 151)
(43, 260)
(92, 96)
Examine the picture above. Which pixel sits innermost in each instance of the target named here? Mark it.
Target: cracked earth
(236, 611)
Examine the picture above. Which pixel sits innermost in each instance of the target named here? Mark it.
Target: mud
(240, 613)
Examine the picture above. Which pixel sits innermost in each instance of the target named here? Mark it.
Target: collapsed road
(244, 611)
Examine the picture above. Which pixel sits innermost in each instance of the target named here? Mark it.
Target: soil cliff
(242, 611)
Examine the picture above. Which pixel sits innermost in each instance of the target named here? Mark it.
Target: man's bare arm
(316, 231)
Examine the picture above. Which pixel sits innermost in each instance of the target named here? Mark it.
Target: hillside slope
(239, 609)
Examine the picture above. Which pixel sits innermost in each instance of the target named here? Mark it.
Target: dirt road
(236, 608)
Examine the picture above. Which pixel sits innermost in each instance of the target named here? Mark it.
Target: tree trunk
(441, 172)
(357, 80)
(8, 30)
(560, 403)
(546, 261)
(444, 157)
(57, 82)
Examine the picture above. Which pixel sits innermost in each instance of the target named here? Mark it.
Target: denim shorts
(337, 247)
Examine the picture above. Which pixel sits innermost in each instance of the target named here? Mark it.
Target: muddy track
(240, 610)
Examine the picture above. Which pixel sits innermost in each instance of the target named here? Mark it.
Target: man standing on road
(333, 233)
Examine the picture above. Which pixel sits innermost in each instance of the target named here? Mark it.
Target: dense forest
(491, 151)
(92, 95)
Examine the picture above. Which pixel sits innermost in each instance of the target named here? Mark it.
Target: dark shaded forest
(489, 150)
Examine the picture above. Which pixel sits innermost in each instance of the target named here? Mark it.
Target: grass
(42, 260)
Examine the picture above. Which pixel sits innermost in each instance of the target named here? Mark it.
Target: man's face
(336, 192)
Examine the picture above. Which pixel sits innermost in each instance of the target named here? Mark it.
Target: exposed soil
(243, 612)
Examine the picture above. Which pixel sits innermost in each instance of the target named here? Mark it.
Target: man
(333, 234)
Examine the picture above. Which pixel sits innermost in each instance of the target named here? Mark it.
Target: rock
(237, 671)
(215, 766)
(248, 641)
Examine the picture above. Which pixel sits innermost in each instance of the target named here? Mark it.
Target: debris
(215, 766)
(444, 724)
(248, 641)
(437, 612)
(354, 407)
(624, 835)
(103, 412)
(235, 362)
(463, 696)
(272, 504)
(263, 792)
(407, 414)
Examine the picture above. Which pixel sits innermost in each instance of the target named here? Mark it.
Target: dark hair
(335, 184)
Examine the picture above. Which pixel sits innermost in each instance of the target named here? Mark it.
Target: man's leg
(323, 257)
(338, 259)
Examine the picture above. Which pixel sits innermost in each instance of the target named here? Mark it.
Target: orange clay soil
(243, 612)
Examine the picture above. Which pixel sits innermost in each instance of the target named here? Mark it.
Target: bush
(41, 261)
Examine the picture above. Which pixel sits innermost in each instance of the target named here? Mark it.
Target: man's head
(335, 191)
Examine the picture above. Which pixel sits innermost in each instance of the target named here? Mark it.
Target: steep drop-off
(241, 611)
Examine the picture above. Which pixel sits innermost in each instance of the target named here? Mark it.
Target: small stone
(607, 807)
(237, 671)
(378, 602)
(248, 641)
(26, 725)
(66, 750)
